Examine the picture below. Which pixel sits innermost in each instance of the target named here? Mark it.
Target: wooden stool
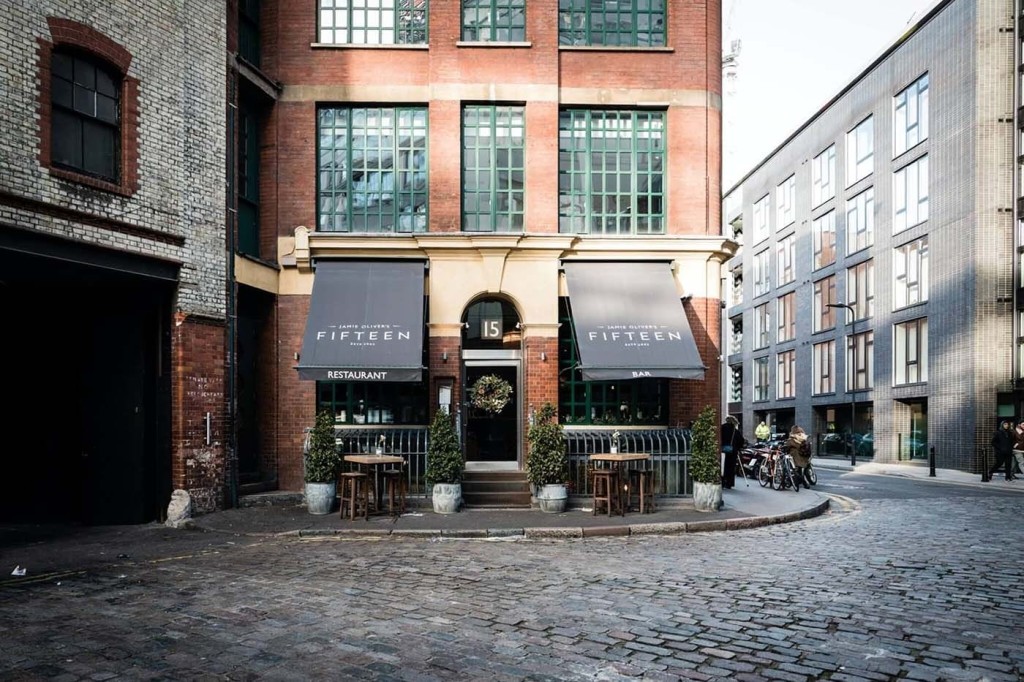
(395, 487)
(606, 490)
(641, 484)
(355, 494)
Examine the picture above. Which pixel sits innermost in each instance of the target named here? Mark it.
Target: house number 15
(490, 328)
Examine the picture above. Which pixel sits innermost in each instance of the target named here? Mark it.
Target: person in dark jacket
(1002, 443)
(799, 447)
(732, 443)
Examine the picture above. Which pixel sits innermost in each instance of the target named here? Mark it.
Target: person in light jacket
(762, 432)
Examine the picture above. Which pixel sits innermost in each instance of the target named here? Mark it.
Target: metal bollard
(982, 456)
(931, 462)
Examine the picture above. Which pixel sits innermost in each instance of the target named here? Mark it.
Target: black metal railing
(409, 442)
(669, 450)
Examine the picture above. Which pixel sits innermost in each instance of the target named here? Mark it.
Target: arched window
(86, 116)
(491, 324)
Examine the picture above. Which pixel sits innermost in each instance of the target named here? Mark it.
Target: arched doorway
(492, 347)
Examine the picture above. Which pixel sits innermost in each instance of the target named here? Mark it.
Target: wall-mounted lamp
(295, 355)
(444, 356)
(543, 356)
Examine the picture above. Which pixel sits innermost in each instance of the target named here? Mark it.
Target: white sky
(795, 56)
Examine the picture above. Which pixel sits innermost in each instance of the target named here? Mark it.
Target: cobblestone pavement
(925, 588)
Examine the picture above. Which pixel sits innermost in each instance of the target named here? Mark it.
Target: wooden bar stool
(355, 495)
(641, 485)
(606, 490)
(395, 487)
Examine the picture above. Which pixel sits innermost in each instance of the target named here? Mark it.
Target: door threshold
(492, 466)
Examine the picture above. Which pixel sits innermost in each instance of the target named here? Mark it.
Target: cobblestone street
(921, 587)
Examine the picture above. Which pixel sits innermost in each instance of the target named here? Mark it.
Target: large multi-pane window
(785, 259)
(785, 374)
(860, 289)
(492, 168)
(910, 352)
(785, 202)
(823, 176)
(760, 379)
(760, 231)
(501, 21)
(825, 367)
(824, 294)
(637, 401)
(373, 22)
(860, 221)
(860, 151)
(610, 172)
(613, 23)
(372, 169)
(762, 272)
(860, 361)
(249, 31)
(762, 325)
(363, 402)
(823, 232)
(248, 181)
(85, 130)
(910, 116)
(910, 195)
(786, 314)
(910, 267)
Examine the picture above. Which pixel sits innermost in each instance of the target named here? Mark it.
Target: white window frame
(860, 221)
(785, 312)
(910, 352)
(860, 363)
(823, 295)
(762, 272)
(910, 116)
(785, 203)
(825, 367)
(823, 177)
(910, 195)
(762, 326)
(860, 290)
(860, 151)
(785, 260)
(761, 380)
(910, 274)
(761, 229)
(824, 249)
(785, 374)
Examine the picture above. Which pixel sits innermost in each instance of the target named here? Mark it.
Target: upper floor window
(910, 352)
(372, 165)
(501, 21)
(825, 367)
(760, 379)
(860, 361)
(373, 22)
(910, 267)
(910, 116)
(492, 168)
(610, 172)
(736, 383)
(612, 23)
(760, 231)
(785, 374)
(860, 289)
(823, 231)
(785, 202)
(786, 314)
(823, 176)
(249, 31)
(910, 195)
(736, 338)
(860, 151)
(762, 278)
(762, 326)
(248, 181)
(785, 260)
(824, 294)
(737, 287)
(860, 221)
(85, 128)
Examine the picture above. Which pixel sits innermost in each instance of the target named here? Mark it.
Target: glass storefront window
(361, 402)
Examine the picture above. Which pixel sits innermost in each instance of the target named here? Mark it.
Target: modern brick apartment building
(899, 204)
(112, 258)
(431, 192)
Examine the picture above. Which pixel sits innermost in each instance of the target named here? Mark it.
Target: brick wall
(296, 399)
(687, 398)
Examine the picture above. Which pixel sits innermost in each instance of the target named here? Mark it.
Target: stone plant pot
(707, 497)
(320, 497)
(553, 498)
(446, 497)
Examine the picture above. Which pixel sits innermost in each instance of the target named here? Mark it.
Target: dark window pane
(62, 66)
(61, 92)
(100, 145)
(85, 101)
(85, 74)
(106, 109)
(105, 84)
(66, 135)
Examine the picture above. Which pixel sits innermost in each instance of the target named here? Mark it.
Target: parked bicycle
(785, 474)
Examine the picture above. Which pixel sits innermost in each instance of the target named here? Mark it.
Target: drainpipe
(230, 440)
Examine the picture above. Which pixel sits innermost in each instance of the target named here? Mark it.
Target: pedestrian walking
(1003, 441)
(762, 432)
(732, 442)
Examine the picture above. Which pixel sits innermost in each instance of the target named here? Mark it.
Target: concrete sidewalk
(918, 470)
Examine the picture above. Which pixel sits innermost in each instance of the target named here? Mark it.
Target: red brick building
(431, 192)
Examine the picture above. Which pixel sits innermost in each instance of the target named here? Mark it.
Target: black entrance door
(492, 437)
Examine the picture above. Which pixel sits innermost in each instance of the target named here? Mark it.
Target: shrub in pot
(322, 463)
(705, 468)
(547, 466)
(444, 464)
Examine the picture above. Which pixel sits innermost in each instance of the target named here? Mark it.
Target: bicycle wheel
(777, 480)
(790, 479)
(763, 474)
(810, 476)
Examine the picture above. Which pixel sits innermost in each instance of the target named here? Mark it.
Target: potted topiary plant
(705, 469)
(322, 465)
(444, 464)
(547, 467)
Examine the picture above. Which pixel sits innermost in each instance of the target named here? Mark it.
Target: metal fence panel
(410, 443)
(669, 450)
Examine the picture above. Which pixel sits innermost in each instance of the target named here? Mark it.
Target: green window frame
(493, 168)
(360, 402)
(612, 23)
(485, 21)
(610, 172)
(248, 182)
(634, 402)
(249, 31)
(372, 169)
(373, 22)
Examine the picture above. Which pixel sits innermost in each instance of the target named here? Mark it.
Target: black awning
(630, 323)
(365, 322)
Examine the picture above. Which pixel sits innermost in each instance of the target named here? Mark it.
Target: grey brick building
(112, 257)
(898, 202)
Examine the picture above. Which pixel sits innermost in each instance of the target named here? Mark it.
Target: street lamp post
(850, 379)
